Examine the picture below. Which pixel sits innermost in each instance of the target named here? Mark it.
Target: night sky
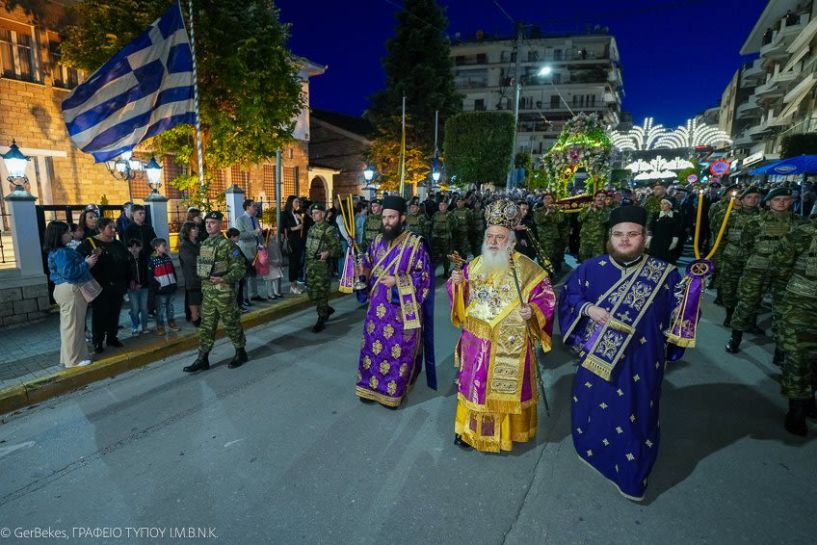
(677, 56)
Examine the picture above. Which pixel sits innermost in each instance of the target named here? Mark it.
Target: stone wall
(334, 147)
(24, 302)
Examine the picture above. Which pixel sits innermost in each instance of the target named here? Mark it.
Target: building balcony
(749, 109)
(742, 141)
(768, 90)
(753, 74)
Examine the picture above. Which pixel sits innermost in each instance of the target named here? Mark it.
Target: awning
(796, 96)
(804, 164)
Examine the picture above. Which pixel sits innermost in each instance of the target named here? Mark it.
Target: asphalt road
(281, 451)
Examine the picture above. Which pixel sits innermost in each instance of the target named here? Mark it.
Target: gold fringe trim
(681, 341)
(598, 367)
(344, 289)
(377, 396)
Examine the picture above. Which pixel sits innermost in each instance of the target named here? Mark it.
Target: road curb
(67, 380)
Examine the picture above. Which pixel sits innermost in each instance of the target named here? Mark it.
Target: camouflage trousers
(219, 304)
(751, 289)
(440, 248)
(460, 243)
(592, 246)
(798, 335)
(476, 243)
(317, 285)
(728, 279)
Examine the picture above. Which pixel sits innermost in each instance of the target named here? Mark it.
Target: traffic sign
(719, 168)
(692, 178)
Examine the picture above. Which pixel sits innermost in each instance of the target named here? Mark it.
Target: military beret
(778, 192)
(317, 206)
(214, 215)
(377, 201)
(749, 190)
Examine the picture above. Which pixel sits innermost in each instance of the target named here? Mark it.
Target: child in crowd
(163, 277)
(272, 279)
(233, 234)
(77, 234)
(138, 288)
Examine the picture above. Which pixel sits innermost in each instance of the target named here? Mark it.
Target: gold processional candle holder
(349, 222)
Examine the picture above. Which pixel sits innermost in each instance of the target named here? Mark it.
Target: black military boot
(779, 356)
(756, 330)
(733, 346)
(460, 443)
(320, 325)
(239, 359)
(728, 320)
(202, 363)
(330, 312)
(719, 299)
(796, 417)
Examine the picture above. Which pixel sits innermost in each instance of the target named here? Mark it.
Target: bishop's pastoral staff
(616, 310)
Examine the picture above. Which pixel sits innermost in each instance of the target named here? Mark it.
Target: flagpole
(199, 151)
(403, 153)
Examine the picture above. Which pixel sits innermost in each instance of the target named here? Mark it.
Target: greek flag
(143, 90)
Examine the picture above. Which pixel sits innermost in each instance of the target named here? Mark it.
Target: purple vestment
(615, 419)
(398, 320)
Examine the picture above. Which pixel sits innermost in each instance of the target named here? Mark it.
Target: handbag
(90, 290)
(286, 247)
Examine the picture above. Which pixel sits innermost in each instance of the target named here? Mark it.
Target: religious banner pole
(199, 147)
(540, 380)
(403, 152)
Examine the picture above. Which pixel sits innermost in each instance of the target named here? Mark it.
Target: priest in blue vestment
(615, 311)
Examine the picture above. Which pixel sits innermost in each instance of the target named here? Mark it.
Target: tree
(249, 88)
(419, 67)
(384, 154)
(478, 147)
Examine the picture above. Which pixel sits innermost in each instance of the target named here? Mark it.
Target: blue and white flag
(143, 90)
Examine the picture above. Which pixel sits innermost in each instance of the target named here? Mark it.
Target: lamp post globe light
(368, 174)
(16, 163)
(154, 174)
(126, 169)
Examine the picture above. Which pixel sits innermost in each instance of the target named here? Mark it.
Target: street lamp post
(546, 71)
(154, 174)
(368, 175)
(16, 163)
(126, 169)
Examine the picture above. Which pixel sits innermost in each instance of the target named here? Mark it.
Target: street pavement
(281, 451)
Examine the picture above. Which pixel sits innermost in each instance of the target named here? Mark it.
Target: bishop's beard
(391, 233)
(495, 261)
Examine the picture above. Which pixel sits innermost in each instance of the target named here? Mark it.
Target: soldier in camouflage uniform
(760, 239)
(550, 228)
(593, 235)
(374, 221)
(441, 234)
(416, 221)
(796, 260)
(220, 265)
(731, 259)
(479, 225)
(463, 222)
(653, 203)
(322, 248)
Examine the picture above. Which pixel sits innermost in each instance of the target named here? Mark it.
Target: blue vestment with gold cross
(617, 388)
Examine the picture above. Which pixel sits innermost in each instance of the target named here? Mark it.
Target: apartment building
(774, 95)
(585, 76)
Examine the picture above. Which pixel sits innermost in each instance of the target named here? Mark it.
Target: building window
(557, 54)
(482, 58)
(591, 101)
(533, 56)
(268, 182)
(554, 102)
(218, 186)
(290, 181)
(62, 75)
(17, 55)
(170, 171)
(479, 105)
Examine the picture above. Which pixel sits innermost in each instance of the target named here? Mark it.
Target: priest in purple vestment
(398, 330)
(615, 310)
(504, 302)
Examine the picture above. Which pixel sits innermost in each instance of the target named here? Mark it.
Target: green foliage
(620, 177)
(478, 147)
(685, 173)
(419, 66)
(249, 87)
(268, 217)
(384, 154)
(583, 143)
(523, 159)
(799, 144)
(538, 178)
